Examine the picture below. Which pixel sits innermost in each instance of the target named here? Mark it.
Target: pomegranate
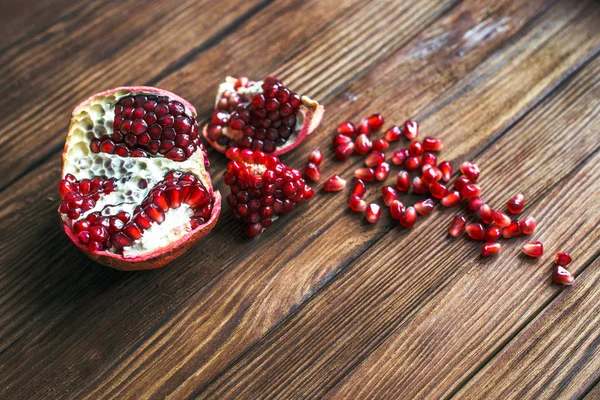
(261, 115)
(135, 191)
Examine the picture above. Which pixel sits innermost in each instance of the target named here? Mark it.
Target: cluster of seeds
(81, 196)
(149, 124)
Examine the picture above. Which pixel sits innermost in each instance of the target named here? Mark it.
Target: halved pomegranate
(135, 191)
(260, 115)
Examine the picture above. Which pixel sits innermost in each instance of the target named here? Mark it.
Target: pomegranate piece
(412, 163)
(399, 157)
(475, 231)
(438, 190)
(432, 144)
(451, 199)
(420, 187)
(380, 145)
(366, 174)
(357, 204)
(424, 207)
(485, 214)
(362, 144)
(408, 217)
(403, 181)
(359, 188)
(261, 115)
(344, 151)
(374, 159)
(563, 259)
(388, 194)
(457, 226)
(475, 203)
(315, 157)
(415, 149)
(528, 226)
(373, 213)
(469, 191)
(447, 170)
(533, 249)
(512, 230)
(516, 204)
(493, 233)
(396, 209)
(411, 129)
(363, 127)
(470, 170)
(392, 134)
(312, 172)
(121, 195)
(490, 249)
(334, 184)
(382, 172)
(562, 276)
(428, 159)
(347, 129)
(375, 122)
(341, 139)
(431, 174)
(461, 182)
(500, 218)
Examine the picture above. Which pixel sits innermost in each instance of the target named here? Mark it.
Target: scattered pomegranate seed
(373, 213)
(563, 259)
(408, 217)
(562, 276)
(411, 129)
(431, 174)
(424, 207)
(363, 144)
(516, 204)
(359, 188)
(363, 127)
(475, 203)
(341, 139)
(380, 145)
(470, 170)
(438, 190)
(315, 157)
(344, 151)
(512, 230)
(533, 249)
(461, 182)
(457, 226)
(475, 231)
(451, 199)
(500, 218)
(490, 249)
(357, 204)
(374, 159)
(412, 163)
(415, 149)
(347, 128)
(446, 169)
(396, 209)
(366, 174)
(471, 190)
(493, 233)
(400, 157)
(389, 194)
(429, 159)
(375, 121)
(420, 187)
(485, 214)
(312, 172)
(403, 181)
(392, 134)
(382, 172)
(528, 226)
(334, 184)
(432, 144)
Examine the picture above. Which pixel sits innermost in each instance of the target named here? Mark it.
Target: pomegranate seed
(408, 217)
(485, 214)
(461, 182)
(380, 145)
(420, 187)
(388, 194)
(493, 233)
(424, 207)
(431, 174)
(396, 209)
(432, 144)
(516, 204)
(451, 199)
(374, 159)
(400, 157)
(490, 249)
(359, 188)
(315, 157)
(429, 159)
(334, 184)
(471, 190)
(457, 226)
(446, 169)
(500, 218)
(344, 151)
(475, 231)
(366, 174)
(415, 149)
(373, 213)
(412, 163)
(475, 203)
(375, 121)
(533, 249)
(470, 170)
(363, 127)
(362, 144)
(563, 259)
(382, 172)
(312, 172)
(393, 134)
(411, 129)
(241, 82)
(341, 139)
(403, 181)
(347, 129)
(528, 226)
(438, 190)
(357, 204)
(562, 276)
(512, 230)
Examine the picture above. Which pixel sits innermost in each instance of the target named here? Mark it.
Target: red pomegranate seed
(446, 169)
(424, 207)
(374, 159)
(357, 204)
(346, 128)
(512, 230)
(412, 163)
(366, 174)
(431, 174)
(457, 226)
(420, 187)
(375, 121)
(461, 182)
(359, 188)
(363, 144)
(241, 82)
(485, 214)
(516, 204)
(471, 190)
(500, 218)
(403, 181)
(475, 231)
(388, 194)
(315, 157)
(382, 172)
(493, 233)
(470, 170)
(380, 145)
(341, 139)
(533, 249)
(334, 184)
(432, 144)
(396, 209)
(528, 226)
(429, 159)
(392, 134)
(451, 199)
(373, 213)
(562, 276)
(563, 259)
(415, 149)
(344, 151)
(438, 190)
(408, 217)
(475, 203)
(490, 249)
(411, 129)
(400, 157)
(363, 127)
(312, 172)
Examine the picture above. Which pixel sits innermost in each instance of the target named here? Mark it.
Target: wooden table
(322, 304)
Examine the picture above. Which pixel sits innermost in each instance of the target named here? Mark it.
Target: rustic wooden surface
(321, 305)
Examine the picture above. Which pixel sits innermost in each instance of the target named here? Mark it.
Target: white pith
(94, 121)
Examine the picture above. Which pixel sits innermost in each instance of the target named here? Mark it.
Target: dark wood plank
(383, 292)
(594, 393)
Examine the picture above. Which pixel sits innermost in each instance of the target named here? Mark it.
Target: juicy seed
(490, 249)
(528, 226)
(475, 203)
(424, 207)
(500, 218)
(446, 169)
(382, 172)
(347, 128)
(412, 163)
(373, 213)
(470, 170)
(563, 259)
(432, 144)
(516, 204)
(334, 184)
(512, 230)
(493, 233)
(403, 181)
(451, 199)
(380, 145)
(254, 229)
(438, 190)
(429, 159)
(396, 209)
(344, 151)
(457, 226)
(363, 127)
(359, 188)
(374, 159)
(411, 129)
(362, 144)
(357, 204)
(366, 174)
(408, 217)
(388, 194)
(312, 172)
(341, 139)
(475, 231)
(399, 157)
(392, 134)
(375, 121)
(562, 276)
(485, 214)
(415, 149)
(431, 174)
(533, 249)
(471, 190)
(420, 187)
(315, 157)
